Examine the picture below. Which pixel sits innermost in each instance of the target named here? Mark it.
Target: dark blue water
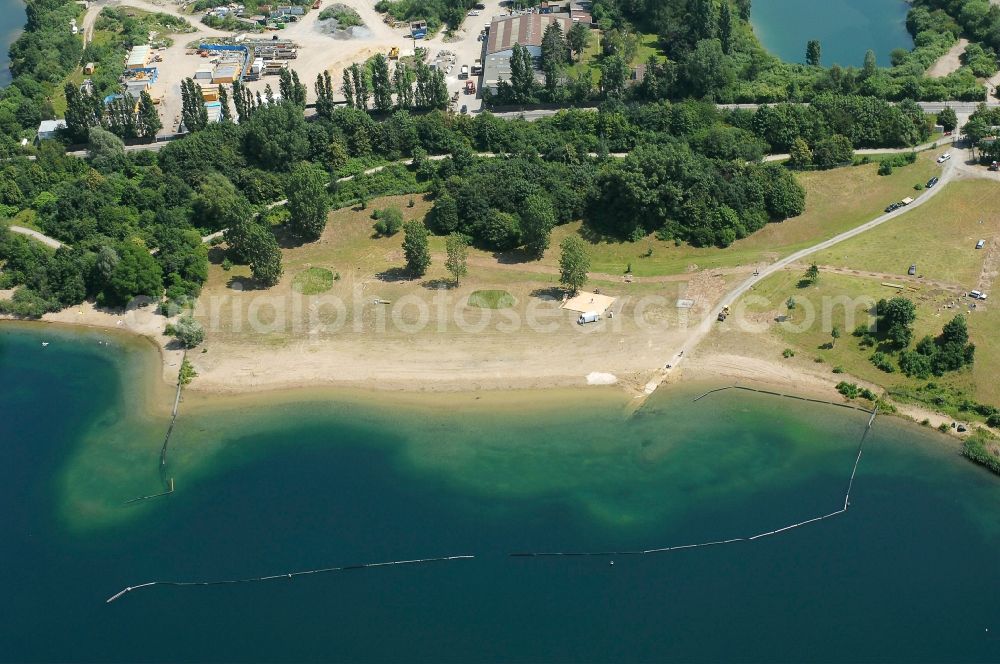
(11, 21)
(908, 575)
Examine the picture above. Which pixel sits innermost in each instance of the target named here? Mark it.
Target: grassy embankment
(940, 239)
(836, 201)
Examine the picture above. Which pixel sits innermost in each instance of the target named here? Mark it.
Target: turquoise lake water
(11, 22)
(907, 575)
(846, 29)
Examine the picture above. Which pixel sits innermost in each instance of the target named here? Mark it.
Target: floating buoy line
(535, 554)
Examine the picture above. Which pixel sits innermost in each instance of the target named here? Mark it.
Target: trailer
(588, 317)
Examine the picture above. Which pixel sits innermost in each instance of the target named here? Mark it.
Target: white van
(588, 317)
(465, 72)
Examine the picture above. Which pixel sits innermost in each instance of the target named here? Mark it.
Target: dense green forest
(692, 175)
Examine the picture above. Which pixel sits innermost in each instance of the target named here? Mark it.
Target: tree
(194, 115)
(244, 101)
(538, 218)
(324, 95)
(554, 52)
(743, 7)
(188, 331)
(347, 88)
(703, 21)
(948, 119)
(83, 111)
(148, 120)
(726, 27)
(895, 318)
(812, 274)
(402, 82)
(291, 89)
(573, 263)
(105, 148)
(136, 274)
(834, 334)
(416, 248)
(870, 66)
(218, 204)
(390, 222)
(800, 156)
(522, 75)
(381, 83)
(578, 38)
(833, 151)
(227, 112)
(614, 74)
(814, 52)
(307, 202)
(707, 69)
(361, 90)
(263, 254)
(458, 253)
(443, 217)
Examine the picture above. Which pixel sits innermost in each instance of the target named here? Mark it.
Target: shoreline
(514, 389)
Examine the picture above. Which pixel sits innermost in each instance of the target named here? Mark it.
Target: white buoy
(612, 563)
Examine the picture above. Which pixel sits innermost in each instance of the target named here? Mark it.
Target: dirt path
(698, 333)
(949, 62)
(883, 276)
(44, 239)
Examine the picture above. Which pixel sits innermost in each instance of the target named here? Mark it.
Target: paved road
(706, 325)
(44, 239)
(960, 107)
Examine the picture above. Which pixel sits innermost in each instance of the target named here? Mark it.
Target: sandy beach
(243, 372)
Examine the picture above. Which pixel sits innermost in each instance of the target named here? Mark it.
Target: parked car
(980, 244)
(465, 109)
(892, 207)
(977, 295)
(912, 271)
(943, 158)
(933, 181)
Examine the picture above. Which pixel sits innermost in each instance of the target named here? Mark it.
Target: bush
(188, 331)
(883, 362)
(885, 168)
(849, 390)
(390, 222)
(982, 447)
(788, 352)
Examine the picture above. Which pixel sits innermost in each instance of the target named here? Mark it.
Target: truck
(588, 317)
(724, 314)
(477, 67)
(464, 72)
(470, 87)
(394, 53)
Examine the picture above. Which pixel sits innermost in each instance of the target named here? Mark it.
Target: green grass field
(836, 201)
(313, 281)
(491, 299)
(842, 301)
(939, 237)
